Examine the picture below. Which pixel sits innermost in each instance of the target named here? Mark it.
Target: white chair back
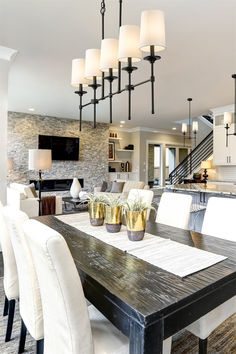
(174, 210)
(145, 195)
(220, 218)
(30, 299)
(10, 280)
(66, 321)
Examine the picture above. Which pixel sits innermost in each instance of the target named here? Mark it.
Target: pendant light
(109, 63)
(187, 128)
(93, 72)
(78, 80)
(132, 42)
(228, 116)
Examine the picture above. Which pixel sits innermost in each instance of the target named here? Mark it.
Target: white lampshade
(152, 30)
(227, 118)
(195, 126)
(184, 128)
(206, 164)
(40, 159)
(109, 54)
(92, 63)
(77, 74)
(129, 39)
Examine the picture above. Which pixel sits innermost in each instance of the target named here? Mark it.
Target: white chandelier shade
(184, 128)
(152, 31)
(129, 40)
(109, 54)
(195, 127)
(78, 71)
(92, 64)
(227, 118)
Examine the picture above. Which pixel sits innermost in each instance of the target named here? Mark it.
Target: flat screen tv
(63, 148)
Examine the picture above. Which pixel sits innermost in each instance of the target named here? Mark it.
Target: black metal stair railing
(201, 152)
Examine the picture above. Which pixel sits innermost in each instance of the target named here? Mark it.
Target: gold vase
(113, 218)
(136, 224)
(96, 213)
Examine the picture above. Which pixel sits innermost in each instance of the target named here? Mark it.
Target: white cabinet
(223, 155)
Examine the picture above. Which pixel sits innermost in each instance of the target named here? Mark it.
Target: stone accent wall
(23, 131)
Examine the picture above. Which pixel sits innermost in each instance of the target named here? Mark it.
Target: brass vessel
(113, 218)
(136, 224)
(96, 213)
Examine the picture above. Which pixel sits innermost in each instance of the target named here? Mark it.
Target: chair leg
(39, 346)
(202, 346)
(10, 320)
(5, 310)
(22, 338)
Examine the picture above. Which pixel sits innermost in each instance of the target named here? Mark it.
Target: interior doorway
(155, 163)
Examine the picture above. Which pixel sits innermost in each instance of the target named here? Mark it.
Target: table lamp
(10, 163)
(206, 165)
(40, 159)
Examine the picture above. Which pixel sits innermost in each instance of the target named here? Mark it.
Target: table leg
(146, 340)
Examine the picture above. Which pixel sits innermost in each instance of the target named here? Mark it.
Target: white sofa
(21, 197)
(128, 185)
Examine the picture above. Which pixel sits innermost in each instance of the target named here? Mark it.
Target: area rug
(222, 341)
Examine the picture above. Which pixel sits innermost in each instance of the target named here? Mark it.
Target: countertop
(226, 189)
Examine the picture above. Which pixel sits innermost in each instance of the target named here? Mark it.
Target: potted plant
(96, 209)
(136, 215)
(113, 213)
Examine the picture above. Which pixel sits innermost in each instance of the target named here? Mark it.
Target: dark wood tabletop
(145, 302)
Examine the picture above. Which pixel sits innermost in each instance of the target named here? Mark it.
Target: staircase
(191, 162)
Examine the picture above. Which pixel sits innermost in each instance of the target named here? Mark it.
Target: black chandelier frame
(151, 58)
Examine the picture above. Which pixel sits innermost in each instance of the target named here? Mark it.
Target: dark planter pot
(135, 235)
(96, 222)
(113, 228)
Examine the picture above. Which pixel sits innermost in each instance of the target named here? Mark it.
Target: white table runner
(171, 256)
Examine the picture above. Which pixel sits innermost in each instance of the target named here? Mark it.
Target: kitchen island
(201, 192)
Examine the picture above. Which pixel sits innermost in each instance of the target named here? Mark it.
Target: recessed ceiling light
(174, 128)
(121, 126)
(31, 109)
(122, 122)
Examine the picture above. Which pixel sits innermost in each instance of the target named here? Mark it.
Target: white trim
(145, 129)
(8, 54)
(222, 109)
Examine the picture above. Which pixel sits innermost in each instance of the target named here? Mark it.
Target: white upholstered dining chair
(218, 210)
(30, 298)
(174, 210)
(145, 195)
(69, 325)
(10, 279)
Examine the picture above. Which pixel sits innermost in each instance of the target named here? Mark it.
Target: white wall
(4, 67)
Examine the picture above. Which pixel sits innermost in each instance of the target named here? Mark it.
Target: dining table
(146, 303)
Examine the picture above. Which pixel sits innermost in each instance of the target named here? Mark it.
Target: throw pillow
(30, 191)
(104, 186)
(117, 187)
(109, 185)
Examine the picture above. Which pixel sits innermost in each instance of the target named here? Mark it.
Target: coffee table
(78, 204)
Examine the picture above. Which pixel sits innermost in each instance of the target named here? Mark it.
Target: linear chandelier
(186, 128)
(101, 64)
(228, 116)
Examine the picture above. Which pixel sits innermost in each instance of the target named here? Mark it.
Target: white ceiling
(198, 62)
